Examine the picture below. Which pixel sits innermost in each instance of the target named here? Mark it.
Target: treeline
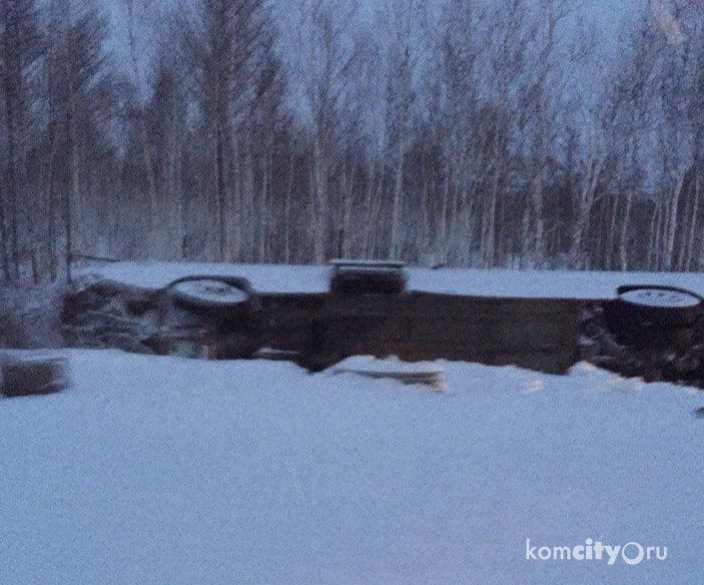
(301, 132)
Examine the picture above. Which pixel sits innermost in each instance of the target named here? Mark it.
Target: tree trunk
(73, 194)
(4, 252)
(141, 126)
(395, 248)
(12, 182)
(623, 235)
(220, 198)
(287, 211)
(320, 199)
(671, 224)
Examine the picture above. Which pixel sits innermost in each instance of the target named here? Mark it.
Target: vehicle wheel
(652, 315)
(221, 295)
(227, 307)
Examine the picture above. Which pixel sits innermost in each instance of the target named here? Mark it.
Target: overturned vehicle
(649, 331)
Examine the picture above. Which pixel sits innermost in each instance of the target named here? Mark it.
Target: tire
(215, 295)
(653, 315)
(228, 307)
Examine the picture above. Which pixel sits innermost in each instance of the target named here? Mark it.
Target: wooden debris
(427, 373)
(26, 373)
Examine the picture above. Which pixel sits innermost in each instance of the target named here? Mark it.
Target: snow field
(167, 471)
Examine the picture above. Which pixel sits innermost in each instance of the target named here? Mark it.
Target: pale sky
(605, 15)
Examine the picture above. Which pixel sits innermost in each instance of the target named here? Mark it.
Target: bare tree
(459, 52)
(589, 171)
(78, 73)
(327, 56)
(540, 107)
(227, 41)
(401, 96)
(21, 47)
(165, 120)
(149, 171)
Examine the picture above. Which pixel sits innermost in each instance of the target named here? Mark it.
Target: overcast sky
(606, 18)
(605, 15)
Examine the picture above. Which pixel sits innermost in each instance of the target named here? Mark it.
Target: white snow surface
(271, 278)
(372, 365)
(159, 470)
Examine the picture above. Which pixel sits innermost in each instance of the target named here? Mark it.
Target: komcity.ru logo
(631, 553)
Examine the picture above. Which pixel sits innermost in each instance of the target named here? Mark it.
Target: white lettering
(634, 560)
(544, 553)
(561, 552)
(612, 551)
(530, 551)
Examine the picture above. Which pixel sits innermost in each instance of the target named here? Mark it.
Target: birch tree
(400, 98)
(133, 8)
(165, 117)
(226, 41)
(21, 47)
(323, 70)
(78, 71)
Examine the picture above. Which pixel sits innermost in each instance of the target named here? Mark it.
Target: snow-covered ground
(157, 470)
(497, 283)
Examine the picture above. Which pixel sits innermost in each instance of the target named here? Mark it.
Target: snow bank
(167, 471)
(493, 283)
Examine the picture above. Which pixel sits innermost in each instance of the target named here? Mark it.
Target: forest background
(483, 133)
